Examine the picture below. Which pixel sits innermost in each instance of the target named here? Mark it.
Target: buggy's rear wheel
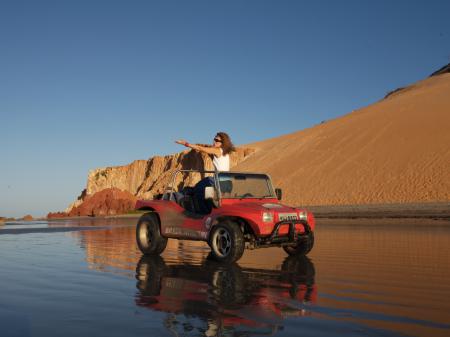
(227, 242)
(148, 235)
(302, 247)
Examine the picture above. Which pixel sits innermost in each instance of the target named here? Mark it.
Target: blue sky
(87, 84)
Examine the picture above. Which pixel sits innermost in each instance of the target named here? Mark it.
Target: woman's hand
(206, 149)
(181, 142)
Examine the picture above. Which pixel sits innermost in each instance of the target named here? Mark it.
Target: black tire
(302, 247)
(227, 242)
(148, 235)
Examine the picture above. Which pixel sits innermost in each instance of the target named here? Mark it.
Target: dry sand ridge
(394, 151)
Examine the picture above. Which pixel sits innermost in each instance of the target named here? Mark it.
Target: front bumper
(291, 237)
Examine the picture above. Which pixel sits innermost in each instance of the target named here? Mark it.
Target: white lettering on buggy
(185, 232)
(287, 216)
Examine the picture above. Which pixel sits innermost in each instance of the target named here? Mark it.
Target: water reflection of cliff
(114, 249)
(212, 299)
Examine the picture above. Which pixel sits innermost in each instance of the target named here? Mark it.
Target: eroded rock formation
(142, 179)
(110, 201)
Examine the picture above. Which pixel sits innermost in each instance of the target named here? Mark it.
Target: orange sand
(396, 150)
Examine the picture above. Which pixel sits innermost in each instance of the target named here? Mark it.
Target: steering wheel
(247, 195)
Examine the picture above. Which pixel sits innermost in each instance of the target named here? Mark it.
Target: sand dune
(396, 150)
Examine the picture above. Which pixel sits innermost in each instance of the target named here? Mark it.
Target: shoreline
(438, 212)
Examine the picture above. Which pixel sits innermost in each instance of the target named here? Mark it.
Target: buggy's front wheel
(227, 242)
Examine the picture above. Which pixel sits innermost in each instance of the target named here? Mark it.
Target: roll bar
(170, 186)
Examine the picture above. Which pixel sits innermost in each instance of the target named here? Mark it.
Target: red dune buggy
(245, 212)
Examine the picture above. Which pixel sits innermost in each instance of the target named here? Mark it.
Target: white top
(222, 163)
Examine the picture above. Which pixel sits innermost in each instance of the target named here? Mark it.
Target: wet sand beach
(77, 277)
(432, 210)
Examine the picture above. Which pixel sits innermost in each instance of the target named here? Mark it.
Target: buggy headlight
(303, 215)
(267, 217)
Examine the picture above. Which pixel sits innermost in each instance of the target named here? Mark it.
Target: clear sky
(87, 84)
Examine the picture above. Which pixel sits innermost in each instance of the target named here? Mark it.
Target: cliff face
(145, 178)
(126, 178)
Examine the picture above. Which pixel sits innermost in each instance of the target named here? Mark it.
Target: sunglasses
(218, 140)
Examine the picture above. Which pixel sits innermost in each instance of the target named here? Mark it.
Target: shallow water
(86, 277)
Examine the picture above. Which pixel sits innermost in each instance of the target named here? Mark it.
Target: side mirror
(279, 193)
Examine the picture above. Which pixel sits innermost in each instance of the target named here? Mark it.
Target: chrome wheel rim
(222, 242)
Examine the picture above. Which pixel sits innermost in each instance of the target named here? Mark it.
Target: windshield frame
(231, 174)
(170, 187)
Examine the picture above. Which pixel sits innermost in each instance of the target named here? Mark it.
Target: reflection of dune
(386, 270)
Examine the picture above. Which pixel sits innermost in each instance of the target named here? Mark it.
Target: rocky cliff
(142, 179)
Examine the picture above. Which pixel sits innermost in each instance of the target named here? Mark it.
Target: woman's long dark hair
(227, 145)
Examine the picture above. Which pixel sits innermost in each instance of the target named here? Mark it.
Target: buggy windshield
(245, 185)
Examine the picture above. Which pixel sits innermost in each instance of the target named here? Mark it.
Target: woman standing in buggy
(220, 152)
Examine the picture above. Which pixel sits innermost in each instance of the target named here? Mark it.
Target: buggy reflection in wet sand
(212, 299)
(244, 212)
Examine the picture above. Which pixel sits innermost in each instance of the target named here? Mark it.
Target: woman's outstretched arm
(202, 148)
